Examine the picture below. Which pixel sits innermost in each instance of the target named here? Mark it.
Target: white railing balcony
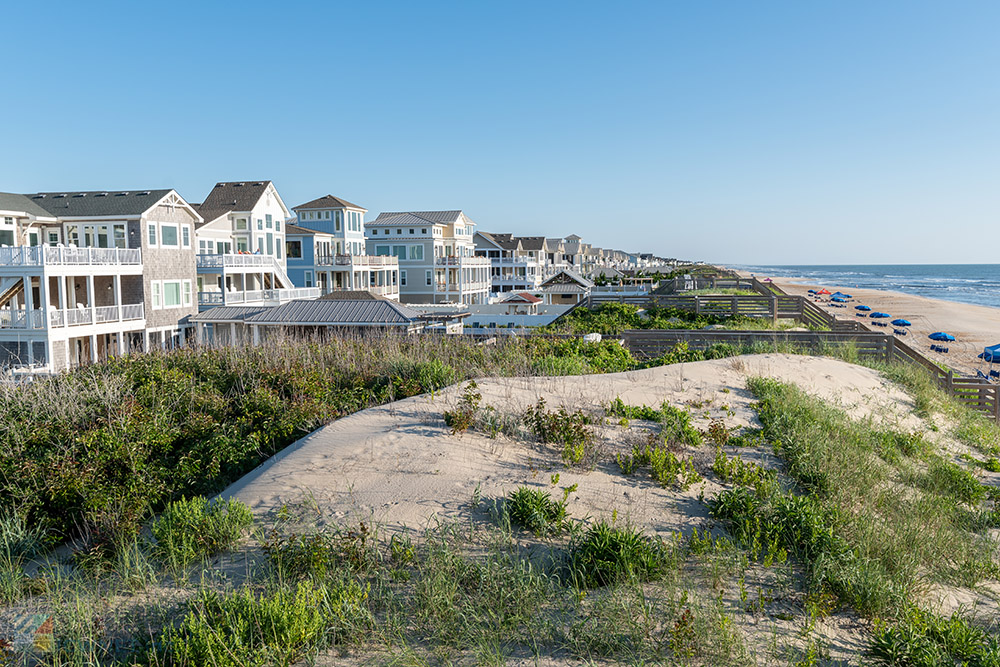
(269, 297)
(21, 319)
(356, 260)
(72, 317)
(462, 261)
(217, 261)
(68, 256)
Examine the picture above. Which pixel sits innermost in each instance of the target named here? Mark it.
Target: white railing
(216, 261)
(356, 260)
(61, 256)
(20, 319)
(256, 297)
(72, 317)
(462, 261)
(527, 261)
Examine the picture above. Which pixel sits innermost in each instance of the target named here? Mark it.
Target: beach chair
(995, 374)
(981, 375)
(899, 332)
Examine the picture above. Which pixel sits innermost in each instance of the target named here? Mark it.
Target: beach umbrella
(838, 299)
(942, 336)
(880, 316)
(812, 291)
(901, 322)
(864, 308)
(823, 291)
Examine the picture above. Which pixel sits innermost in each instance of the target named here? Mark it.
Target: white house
(436, 255)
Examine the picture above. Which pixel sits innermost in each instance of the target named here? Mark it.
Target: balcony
(267, 297)
(31, 256)
(462, 261)
(72, 317)
(356, 260)
(217, 261)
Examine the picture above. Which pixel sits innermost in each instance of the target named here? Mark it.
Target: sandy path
(399, 465)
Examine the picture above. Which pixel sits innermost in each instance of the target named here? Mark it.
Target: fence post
(697, 305)
(951, 382)
(774, 310)
(736, 306)
(890, 348)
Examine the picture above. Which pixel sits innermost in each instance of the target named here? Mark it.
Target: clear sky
(746, 132)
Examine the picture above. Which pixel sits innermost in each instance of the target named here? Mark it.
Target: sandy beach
(974, 327)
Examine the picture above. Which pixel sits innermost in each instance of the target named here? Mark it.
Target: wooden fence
(975, 393)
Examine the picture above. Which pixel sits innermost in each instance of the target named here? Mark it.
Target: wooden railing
(975, 393)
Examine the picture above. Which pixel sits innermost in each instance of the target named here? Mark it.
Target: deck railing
(256, 297)
(62, 256)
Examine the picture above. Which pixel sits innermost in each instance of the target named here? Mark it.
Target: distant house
(241, 247)
(327, 249)
(566, 287)
(436, 255)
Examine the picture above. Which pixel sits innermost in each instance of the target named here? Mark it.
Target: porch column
(145, 340)
(117, 287)
(121, 343)
(232, 334)
(93, 348)
(29, 300)
(61, 289)
(256, 334)
(90, 300)
(43, 296)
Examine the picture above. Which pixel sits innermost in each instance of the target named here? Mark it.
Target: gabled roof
(231, 196)
(353, 312)
(522, 297)
(418, 218)
(22, 204)
(567, 277)
(328, 201)
(293, 230)
(227, 313)
(350, 295)
(98, 202)
(532, 242)
(502, 241)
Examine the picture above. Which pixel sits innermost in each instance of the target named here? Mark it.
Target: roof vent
(80, 194)
(258, 184)
(59, 196)
(39, 196)
(239, 184)
(139, 194)
(120, 194)
(101, 194)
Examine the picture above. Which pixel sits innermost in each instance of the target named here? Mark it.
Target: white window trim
(186, 293)
(176, 227)
(185, 236)
(156, 294)
(152, 227)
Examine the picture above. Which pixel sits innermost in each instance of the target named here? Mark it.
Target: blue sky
(744, 132)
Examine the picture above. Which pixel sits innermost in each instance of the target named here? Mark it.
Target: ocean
(977, 284)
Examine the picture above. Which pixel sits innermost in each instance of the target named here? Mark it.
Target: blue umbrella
(991, 354)
(812, 291)
(841, 295)
(864, 308)
(880, 316)
(942, 336)
(838, 299)
(901, 322)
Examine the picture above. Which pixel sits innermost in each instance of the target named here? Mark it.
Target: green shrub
(675, 423)
(570, 430)
(665, 467)
(607, 554)
(921, 639)
(278, 628)
(190, 529)
(463, 417)
(320, 553)
(535, 510)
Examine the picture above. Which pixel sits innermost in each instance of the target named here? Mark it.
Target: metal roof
(358, 312)
(227, 313)
(419, 218)
(94, 203)
(328, 201)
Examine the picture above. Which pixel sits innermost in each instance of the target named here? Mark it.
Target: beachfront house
(241, 247)
(436, 255)
(326, 248)
(566, 287)
(87, 275)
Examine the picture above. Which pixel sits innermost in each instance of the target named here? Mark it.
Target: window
(416, 252)
(155, 289)
(399, 251)
(277, 249)
(429, 277)
(412, 230)
(119, 232)
(168, 235)
(186, 236)
(186, 295)
(241, 224)
(308, 278)
(402, 278)
(277, 225)
(171, 293)
(270, 243)
(53, 238)
(399, 231)
(382, 250)
(294, 249)
(260, 246)
(151, 231)
(270, 221)
(374, 232)
(260, 224)
(242, 245)
(337, 216)
(423, 231)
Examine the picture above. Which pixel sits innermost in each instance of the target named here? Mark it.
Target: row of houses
(86, 275)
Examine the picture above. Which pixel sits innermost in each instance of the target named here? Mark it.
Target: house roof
(98, 202)
(227, 313)
(503, 241)
(418, 218)
(292, 230)
(231, 196)
(328, 201)
(532, 242)
(347, 312)
(522, 297)
(10, 201)
(567, 277)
